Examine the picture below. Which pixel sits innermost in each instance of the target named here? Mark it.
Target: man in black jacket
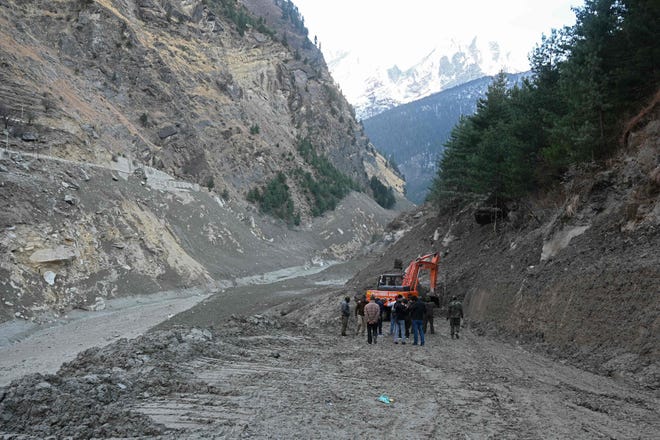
(345, 313)
(399, 312)
(417, 312)
(407, 319)
(359, 316)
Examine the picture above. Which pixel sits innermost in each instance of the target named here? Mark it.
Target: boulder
(71, 200)
(168, 131)
(49, 277)
(54, 255)
(29, 137)
(99, 304)
(488, 214)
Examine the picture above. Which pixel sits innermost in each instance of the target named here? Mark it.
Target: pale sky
(400, 32)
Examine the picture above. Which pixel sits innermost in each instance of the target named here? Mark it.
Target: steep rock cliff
(175, 85)
(135, 129)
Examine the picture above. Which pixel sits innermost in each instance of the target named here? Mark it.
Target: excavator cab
(390, 281)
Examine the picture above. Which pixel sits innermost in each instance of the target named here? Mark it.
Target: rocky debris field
(288, 374)
(574, 272)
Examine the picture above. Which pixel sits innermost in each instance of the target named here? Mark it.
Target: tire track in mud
(469, 407)
(241, 387)
(547, 398)
(316, 380)
(306, 386)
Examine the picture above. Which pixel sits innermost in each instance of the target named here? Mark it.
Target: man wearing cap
(372, 316)
(454, 315)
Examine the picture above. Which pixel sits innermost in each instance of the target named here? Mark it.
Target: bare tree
(5, 115)
(29, 117)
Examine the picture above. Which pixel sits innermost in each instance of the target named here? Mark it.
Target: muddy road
(218, 370)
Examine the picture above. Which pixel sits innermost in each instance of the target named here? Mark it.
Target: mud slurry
(270, 376)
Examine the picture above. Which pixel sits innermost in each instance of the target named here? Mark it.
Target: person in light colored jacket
(372, 316)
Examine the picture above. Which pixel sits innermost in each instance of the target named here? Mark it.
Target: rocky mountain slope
(575, 271)
(135, 129)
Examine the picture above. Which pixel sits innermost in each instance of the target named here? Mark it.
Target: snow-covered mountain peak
(373, 87)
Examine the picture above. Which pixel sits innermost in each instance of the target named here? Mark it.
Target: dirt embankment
(575, 272)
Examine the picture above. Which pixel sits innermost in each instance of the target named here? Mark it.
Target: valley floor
(27, 347)
(287, 373)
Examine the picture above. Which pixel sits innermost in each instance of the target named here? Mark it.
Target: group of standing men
(369, 317)
(404, 315)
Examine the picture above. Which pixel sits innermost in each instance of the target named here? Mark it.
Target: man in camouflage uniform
(359, 315)
(454, 315)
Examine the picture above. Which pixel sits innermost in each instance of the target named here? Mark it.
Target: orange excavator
(419, 279)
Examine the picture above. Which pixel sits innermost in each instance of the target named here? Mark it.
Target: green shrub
(274, 199)
(383, 195)
(328, 186)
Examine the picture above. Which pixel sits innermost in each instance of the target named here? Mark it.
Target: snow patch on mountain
(373, 88)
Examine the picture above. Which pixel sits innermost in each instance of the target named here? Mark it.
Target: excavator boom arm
(428, 262)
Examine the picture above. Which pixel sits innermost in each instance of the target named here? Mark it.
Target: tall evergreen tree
(588, 80)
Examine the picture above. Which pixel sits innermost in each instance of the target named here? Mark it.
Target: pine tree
(588, 79)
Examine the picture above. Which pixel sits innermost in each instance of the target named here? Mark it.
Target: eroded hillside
(575, 271)
(134, 131)
(174, 85)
